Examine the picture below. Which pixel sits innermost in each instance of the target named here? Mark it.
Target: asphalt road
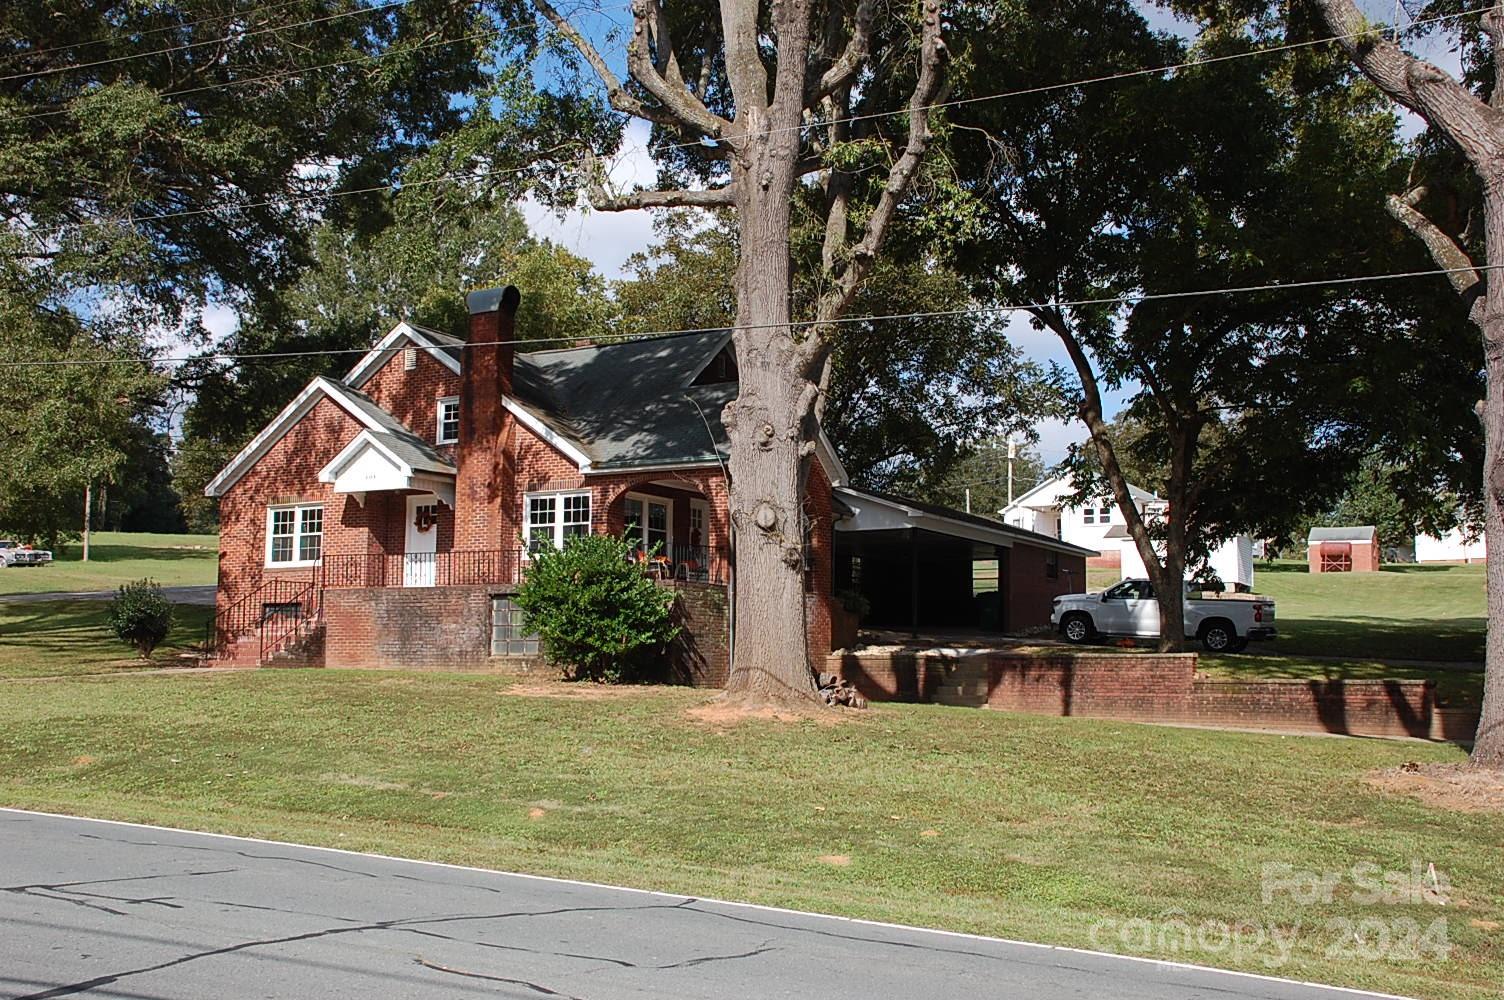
(177, 595)
(115, 910)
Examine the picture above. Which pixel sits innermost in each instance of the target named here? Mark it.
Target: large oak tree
(761, 99)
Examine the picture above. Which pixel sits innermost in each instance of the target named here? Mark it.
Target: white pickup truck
(15, 554)
(1224, 625)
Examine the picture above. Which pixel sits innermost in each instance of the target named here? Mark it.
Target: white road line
(1064, 949)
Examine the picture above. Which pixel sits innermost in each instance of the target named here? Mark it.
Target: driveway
(115, 910)
(177, 595)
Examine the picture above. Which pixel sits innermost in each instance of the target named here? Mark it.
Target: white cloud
(606, 239)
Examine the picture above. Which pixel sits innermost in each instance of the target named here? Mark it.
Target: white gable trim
(402, 475)
(531, 421)
(371, 363)
(365, 439)
(826, 453)
(283, 422)
(720, 345)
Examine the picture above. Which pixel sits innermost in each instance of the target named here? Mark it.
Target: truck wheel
(1077, 628)
(1218, 636)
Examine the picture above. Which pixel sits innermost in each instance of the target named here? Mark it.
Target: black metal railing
(284, 623)
(421, 569)
(250, 610)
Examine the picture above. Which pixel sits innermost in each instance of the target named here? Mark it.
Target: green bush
(141, 615)
(594, 610)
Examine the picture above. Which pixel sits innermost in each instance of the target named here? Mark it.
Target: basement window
(294, 535)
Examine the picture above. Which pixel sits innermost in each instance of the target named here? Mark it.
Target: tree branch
(1444, 250)
(934, 57)
(1424, 88)
(674, 94)
(843, 71)
(616, 94)
(603, 201)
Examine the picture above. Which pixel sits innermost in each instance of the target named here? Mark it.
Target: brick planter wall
(701, 655)
(1159, 687)
(413, 628)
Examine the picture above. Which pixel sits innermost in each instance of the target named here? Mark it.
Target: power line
(1089, 81)
(52, 71)
(230, 15)
(793, 324)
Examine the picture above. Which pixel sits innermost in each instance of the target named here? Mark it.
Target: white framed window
(448, 421)
(1088, 515)
(1095, 514)
(294, 535)
(649, 522)
(551, 518)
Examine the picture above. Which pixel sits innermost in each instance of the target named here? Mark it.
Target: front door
(419, 562)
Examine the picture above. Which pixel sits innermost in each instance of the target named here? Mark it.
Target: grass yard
(52, 638)
(1027, 827)
(117, 557)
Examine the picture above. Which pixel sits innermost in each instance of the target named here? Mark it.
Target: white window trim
(438, 414)
(647, 498)
(558, 524)
(297, 522)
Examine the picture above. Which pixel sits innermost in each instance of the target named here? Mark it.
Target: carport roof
(1358, 533)
(869, 510)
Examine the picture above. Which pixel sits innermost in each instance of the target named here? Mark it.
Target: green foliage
(141, 615)
(597, 614)
(984, 471)
(65, 426)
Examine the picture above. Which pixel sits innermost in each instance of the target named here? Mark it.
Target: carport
(926, 566)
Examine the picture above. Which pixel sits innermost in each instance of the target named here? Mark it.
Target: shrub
(141, 615)
(595, 612)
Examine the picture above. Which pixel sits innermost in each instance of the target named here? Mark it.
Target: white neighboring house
(1100, 525)
(1456, 546)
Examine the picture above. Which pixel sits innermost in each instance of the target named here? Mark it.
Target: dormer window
(722, 369)
(448, 420)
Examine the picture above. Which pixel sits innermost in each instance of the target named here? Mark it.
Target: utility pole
(968, 499)
(1012, 454)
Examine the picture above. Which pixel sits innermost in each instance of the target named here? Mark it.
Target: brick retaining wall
(414, 628)
(1159, 687)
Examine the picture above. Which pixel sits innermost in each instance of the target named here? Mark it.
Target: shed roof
(907, 513)
(1355, 533)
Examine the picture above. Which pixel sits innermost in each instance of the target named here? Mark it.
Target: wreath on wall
(426, 517)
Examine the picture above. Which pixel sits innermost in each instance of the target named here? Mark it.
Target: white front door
(419, 562)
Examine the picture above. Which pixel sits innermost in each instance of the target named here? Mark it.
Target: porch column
(914, 583)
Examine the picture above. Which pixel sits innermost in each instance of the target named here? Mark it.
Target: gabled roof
(1046, 494)
(441, 346)
(354, 402)
(1354, 533)
(942, 519)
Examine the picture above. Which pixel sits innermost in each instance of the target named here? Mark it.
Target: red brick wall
(1365, 557)
(818, 580)
(1030, 589)
(413, 628)
(1107, 560)
(1163, 687)
(701, 656)
(413, 396)
(288, 473)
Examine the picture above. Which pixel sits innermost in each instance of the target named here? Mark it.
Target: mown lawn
(1454, 687)
(117, 557)
(1027, 827)
(51, 638)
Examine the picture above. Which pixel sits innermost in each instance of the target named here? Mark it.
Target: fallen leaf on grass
(929, 833)
(536, 813)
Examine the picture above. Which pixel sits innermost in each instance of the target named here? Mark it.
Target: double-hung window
(554, 517)
(449, 420)
(294, 535)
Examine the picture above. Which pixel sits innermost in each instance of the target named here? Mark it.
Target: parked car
(1223, 625)
(13, 553)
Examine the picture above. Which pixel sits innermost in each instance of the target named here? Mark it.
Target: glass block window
(508, 637)
(294, 535)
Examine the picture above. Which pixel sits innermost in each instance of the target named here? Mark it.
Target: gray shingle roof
(629, 404)
(404, 443)
(1359, 533)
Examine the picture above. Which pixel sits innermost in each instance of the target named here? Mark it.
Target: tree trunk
(1488, 747)
(88, 511)
(770, 427)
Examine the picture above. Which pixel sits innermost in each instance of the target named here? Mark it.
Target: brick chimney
(483, 485)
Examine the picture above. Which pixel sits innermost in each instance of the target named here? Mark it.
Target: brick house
(385, 519)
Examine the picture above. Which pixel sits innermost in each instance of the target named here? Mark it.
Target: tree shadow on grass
(1455, 639)
(69, 637)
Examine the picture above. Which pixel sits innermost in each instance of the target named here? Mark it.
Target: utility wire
(54, 70)
(790, 324)
(227, 16)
